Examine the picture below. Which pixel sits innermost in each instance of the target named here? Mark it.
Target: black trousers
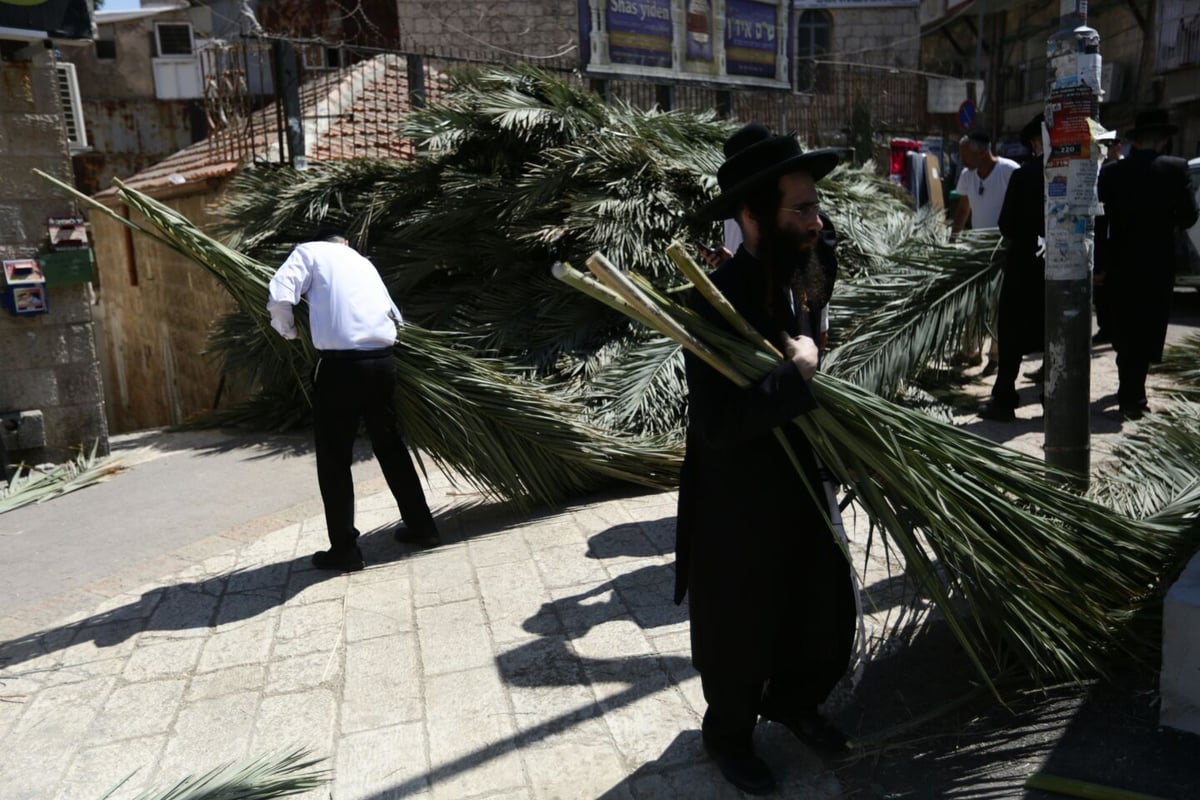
(349, 388)
(812, 649)
(1133, 364)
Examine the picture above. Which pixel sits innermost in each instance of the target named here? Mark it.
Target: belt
(355, 355)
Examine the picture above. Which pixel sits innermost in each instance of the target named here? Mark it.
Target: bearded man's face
(797, 223)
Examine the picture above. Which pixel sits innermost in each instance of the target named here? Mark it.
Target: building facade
(51, 403)
(1150, 51)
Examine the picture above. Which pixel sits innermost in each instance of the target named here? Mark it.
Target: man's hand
(802, 351)
(717, 257)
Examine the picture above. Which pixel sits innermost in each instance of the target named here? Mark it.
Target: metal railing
(355, 110)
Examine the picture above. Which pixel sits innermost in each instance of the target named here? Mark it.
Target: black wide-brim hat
(753, 157)
(1152, 121)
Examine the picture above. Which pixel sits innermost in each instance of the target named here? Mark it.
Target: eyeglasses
(981, 190)
(805, 209)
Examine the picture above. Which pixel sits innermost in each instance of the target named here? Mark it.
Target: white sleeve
(287, 286)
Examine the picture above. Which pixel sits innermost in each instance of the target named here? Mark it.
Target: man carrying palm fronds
(771, 598)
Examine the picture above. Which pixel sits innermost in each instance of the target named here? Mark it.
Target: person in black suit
(1148, 199)
(1021, 314)
(771, 599)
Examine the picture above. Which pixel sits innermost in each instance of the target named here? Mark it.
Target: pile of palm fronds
(32, 484)
(519, 168)
(500, 432)
(1047, 578)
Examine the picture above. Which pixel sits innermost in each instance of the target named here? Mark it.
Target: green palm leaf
(264, 778)
(1024, 570)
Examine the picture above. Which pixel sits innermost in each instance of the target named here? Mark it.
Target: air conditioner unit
(68, 97)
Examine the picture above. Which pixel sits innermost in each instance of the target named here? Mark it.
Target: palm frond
(1155, 464)
(1181, 363)
(641, 389)
(909, 310)
(30, 484)
(1047, 578)
(264, 778)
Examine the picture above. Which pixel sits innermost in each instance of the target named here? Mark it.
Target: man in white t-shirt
(982, 182)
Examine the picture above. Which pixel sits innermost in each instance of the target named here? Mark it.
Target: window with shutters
(68, 97)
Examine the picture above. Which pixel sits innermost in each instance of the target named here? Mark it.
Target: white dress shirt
(349, 307)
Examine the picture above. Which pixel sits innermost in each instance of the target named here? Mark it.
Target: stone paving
(524, 658)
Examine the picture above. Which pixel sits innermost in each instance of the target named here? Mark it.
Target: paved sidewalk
(526, 657)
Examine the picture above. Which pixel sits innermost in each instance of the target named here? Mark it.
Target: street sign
(966, 115)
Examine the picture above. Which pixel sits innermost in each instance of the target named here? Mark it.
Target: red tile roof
(355, 112)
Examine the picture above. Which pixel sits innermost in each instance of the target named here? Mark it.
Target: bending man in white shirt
(353, 322)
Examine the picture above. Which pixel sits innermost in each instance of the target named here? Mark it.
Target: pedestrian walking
(1148, 201)
(770, 594)
(353, 322)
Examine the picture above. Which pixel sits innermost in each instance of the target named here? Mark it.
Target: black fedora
(755, 156)
(1154, 121)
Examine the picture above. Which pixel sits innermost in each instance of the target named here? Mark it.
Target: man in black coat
(1148, 199)
(1021, 312)
(771, 598)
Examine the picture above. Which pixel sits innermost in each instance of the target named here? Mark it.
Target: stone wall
(154, 314)
(48, 360)
(535, 29)
(877, 36)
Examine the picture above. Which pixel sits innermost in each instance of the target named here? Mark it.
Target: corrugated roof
(354, 112)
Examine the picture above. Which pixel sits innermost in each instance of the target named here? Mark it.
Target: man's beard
(792, 261)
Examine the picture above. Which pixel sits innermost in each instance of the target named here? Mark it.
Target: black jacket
(768, 587)
(1148, 200)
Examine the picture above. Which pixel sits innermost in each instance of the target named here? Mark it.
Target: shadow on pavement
(212, 441)
(929, 729)
(232, 597)
(643, 596)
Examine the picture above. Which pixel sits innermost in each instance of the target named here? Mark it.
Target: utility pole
(1072, 166)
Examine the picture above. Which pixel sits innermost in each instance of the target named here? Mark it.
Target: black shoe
(1036, 375)
(426, 535)
(347, 561)
(743, 769)
(1134, 413)
(999, 413)
(815, 731)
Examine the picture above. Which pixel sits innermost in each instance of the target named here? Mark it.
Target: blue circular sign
(966, 115)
